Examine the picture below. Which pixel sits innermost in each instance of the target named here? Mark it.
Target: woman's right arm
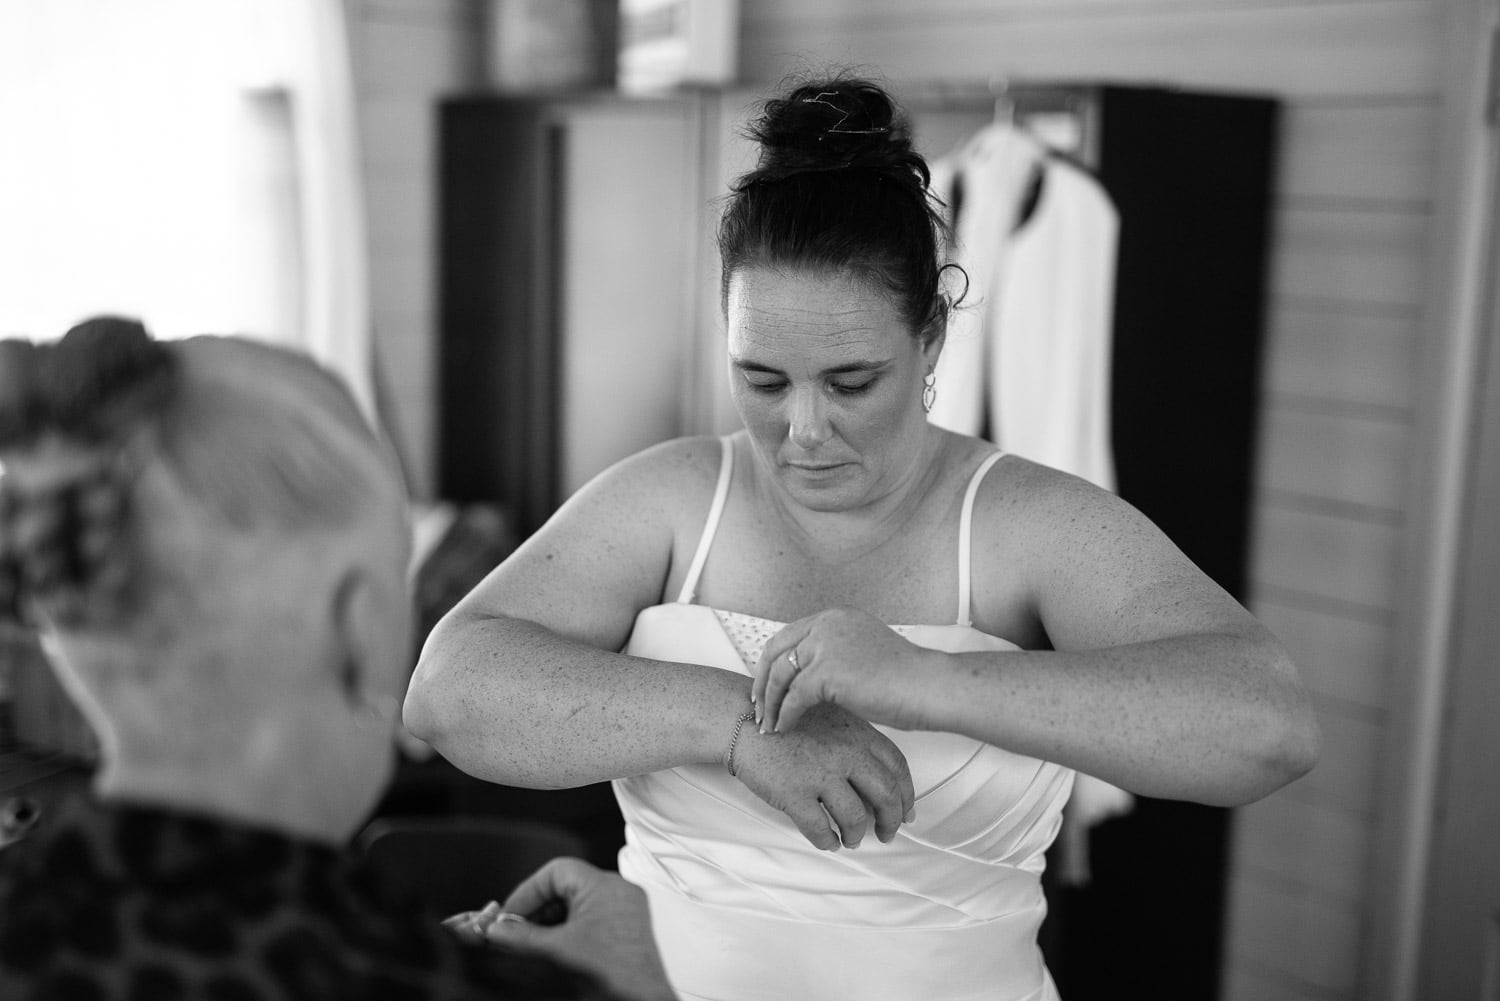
(520, 683)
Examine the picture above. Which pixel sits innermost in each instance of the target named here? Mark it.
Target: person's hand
(586, 917)
(834, 777)
(844, 656)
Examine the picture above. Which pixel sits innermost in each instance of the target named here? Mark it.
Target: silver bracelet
(739, 724)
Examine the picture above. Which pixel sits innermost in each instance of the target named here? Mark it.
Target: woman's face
(827, 377)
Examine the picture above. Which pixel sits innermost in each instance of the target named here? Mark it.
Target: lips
(815, 467)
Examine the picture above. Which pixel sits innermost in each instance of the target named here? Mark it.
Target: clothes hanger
(1005, 115)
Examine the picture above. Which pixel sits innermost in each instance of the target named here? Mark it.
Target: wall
(406, 54)
(1362, 82)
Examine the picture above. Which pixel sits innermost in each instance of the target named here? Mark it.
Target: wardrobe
(579, 322)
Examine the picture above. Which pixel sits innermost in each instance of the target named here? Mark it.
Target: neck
(304, 769)
(267, 779)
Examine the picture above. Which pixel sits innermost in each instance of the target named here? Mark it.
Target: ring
(791, 658)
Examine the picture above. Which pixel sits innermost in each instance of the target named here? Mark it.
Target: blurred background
(494, 219)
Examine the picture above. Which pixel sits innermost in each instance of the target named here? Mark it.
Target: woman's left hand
(845, 656)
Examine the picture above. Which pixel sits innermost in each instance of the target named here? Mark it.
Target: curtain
(190, 162)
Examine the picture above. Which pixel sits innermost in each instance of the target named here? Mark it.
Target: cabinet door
(627, 249)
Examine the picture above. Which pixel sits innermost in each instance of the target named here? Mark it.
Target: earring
(929, 391)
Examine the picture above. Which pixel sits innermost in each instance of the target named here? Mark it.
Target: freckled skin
(827, 378)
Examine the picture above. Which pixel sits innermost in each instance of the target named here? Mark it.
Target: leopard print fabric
(141, 904)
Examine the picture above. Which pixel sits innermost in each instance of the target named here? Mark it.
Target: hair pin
(838, 126)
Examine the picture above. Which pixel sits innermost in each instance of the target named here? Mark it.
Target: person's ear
(354, 614)
(933, 348)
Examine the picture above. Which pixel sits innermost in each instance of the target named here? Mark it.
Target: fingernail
(911, 815)
(486, 916)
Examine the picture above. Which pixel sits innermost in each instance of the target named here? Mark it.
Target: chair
(460, 863)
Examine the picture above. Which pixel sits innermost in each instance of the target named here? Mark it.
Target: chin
(829, 496)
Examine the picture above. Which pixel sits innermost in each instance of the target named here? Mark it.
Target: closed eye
(852, 388)
(765, 385)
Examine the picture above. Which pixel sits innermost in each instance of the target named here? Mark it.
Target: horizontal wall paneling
(1316, 49)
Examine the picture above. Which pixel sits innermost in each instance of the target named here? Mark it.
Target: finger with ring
(791, 658)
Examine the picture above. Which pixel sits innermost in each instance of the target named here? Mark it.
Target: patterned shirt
(144, 904)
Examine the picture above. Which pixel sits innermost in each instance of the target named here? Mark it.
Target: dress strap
(705, 542)
(965, 520)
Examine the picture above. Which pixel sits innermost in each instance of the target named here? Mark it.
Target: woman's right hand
(832, 776)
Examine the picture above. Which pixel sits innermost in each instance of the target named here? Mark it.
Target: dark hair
(839, 187)
(93, 388)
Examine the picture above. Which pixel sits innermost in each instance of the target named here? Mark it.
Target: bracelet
(739, 724)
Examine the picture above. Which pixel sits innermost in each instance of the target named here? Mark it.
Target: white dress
(745, 909)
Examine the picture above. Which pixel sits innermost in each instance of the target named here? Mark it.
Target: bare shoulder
(1091, 567)
(1030, 505)
(657, 482)
(606, 553)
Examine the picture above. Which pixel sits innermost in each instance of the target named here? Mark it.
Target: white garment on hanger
(1031, 343)
(995, 167)
(1053, 323)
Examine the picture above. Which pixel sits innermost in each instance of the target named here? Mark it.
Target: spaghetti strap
(705, 542)
(965, 519)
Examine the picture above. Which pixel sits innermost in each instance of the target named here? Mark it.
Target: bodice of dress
(949, 909)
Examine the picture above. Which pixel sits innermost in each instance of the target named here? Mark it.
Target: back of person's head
(107, 430)
(206, 531)
(839, 188)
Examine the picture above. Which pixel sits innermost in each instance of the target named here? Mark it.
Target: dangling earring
(929, 391)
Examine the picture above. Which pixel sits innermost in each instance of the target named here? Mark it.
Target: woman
(214, 547)
(1003, 624)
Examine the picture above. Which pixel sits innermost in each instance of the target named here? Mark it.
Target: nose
(808, 425)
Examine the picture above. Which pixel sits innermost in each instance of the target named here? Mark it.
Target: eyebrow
(745, 365)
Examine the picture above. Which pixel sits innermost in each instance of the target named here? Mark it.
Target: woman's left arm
(1157, 681)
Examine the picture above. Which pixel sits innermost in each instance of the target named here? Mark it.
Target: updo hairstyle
(72, 406)
(256, 436)
(839, 188)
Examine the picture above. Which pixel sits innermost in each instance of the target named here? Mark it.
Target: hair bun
(831, 125)
(18, 400)
(61, 544)
(99, 381)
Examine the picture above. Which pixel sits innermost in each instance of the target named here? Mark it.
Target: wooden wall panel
(1341, 659)
(415, 52)
(398, 133)
(1322, 555)
(1315, 845)
(405, 53)
(1347, 775)
(1345, 49)
(1343, 357)
(1372, 150)
(1308, 938)
(872, 11)
(1350, 458)
(1330, 255)
(1246, 980)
